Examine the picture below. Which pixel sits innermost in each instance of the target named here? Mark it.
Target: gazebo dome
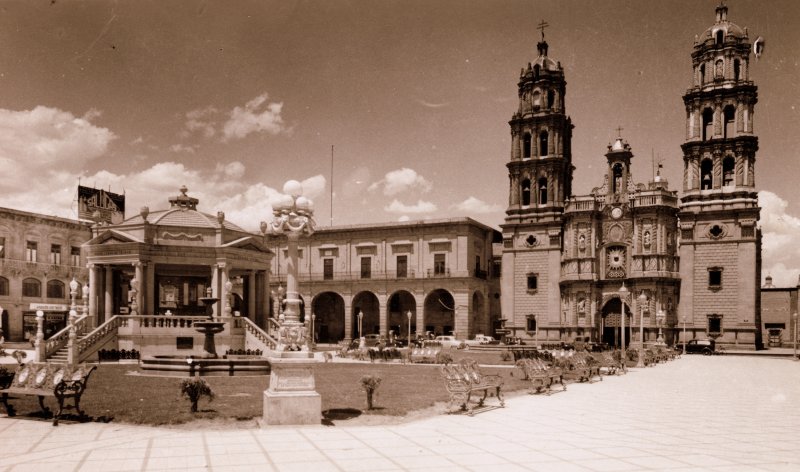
(183, 212)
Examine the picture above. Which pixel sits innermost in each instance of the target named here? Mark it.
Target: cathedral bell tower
(540, 181)
(720, 242)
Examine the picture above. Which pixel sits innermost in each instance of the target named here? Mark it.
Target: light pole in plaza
(360, 333)
(623, 295)
(291, 397)
(684, 334)
(536, 323)
(660, 320)
(642, 302)
(794, 317)
(409, 315)
(313, 329)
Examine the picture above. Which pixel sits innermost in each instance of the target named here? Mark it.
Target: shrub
(19, 355)
(370, 384)
(444, 358)
(193, 389)
(505, 356)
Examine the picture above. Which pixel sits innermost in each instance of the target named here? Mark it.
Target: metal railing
(10, 266)
(381, 275)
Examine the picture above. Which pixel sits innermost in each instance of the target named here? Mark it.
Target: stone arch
(439, 315)
(729, 121)
(526, 192)
(526, 145)
(706, 174)
(400, 303)
(56, 289)
(367, 303)
(541, 188)
(328, 310)
(544, 140)
(611, 321)
(708, 124)
(728, 171)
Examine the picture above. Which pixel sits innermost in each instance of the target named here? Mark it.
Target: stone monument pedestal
(291, 398)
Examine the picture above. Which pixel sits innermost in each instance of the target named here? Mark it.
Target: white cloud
(182, 148)
(248, 119)
(202, 120)
(420, 207)
(431, 104)
(403, 219)
(474, 205)
(780, 248)
(401, 180)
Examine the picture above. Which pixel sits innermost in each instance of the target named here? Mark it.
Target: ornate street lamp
(86, 299)
(292, 217)
(409, 315)
(313, 329)
(642, 302)
(360, 318)
(73, 294)
(660, 320)
(623, 295)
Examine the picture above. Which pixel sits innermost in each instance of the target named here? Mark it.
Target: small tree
(370, 384)
(444, 358)
(193, 389)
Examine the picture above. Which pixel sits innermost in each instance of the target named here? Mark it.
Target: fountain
(209, 328)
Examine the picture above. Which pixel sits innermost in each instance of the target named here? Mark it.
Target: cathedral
(637, 261)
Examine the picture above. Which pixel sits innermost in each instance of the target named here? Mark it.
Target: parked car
(372, 340)
(705, 347)
(515, 341)
(449, 342)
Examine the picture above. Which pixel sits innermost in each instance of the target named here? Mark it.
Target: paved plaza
(732, 413)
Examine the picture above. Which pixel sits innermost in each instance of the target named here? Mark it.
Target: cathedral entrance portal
(611, 323)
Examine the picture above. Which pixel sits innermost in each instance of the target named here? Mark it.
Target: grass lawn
(117, 393)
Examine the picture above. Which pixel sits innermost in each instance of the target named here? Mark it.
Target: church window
(617, 180)
(551, 98)
(702, 74)
(526, 145)
(533, 282)
(56, 289)
(708, 124)
(531, 240)
(646, 239)
(543, 143)
(729, 115)
(542, 191)
(706, 174)
(526, 192)
(715, 277)
(537, 100)
(720, 36)
(536, 70)
(31, 288)
(715, 231)
(728, 171)
(719, 69)
(531, 322)
(736, 69)
(3, 287)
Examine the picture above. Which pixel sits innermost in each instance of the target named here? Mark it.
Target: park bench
(607, 360)
(542, 375)
(46, 379)
(426, 353)
(464, 378)
(581, 366)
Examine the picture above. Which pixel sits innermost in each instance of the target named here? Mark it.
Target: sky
(233, 98)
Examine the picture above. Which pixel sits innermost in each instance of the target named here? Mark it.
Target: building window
(56, 289)
(327, 269)
(736, 69)
(526, 146)
(3, 287)
(729, 115)
(31, 288)
(366, 267)
(31, 251)
(526, 192)
(714, 325)
(531, 322)
(617, 174)
(75, 256)
(543, 144)
(55, 254)
(551, 98)
(533, 282)
(714, 278)
(2, 247)
(497, 269)
(708, 124)
(542, 191)
(439, 264)
(702, 74)
(719, 37)
(728, 171)
(402, 267)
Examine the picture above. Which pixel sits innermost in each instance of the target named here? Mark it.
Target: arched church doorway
(328, 309)
(612, 323)
(439, 312)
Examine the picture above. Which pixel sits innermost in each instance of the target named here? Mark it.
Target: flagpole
(331, 185)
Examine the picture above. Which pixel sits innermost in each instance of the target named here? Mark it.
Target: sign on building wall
(110, 206)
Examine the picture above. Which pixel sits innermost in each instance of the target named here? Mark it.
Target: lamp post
(360, 332)
(623, 294)
(660, 320)
(536, 323)
(684, 334)
(313, 329)
(409, 315)
(642, 302)
(794, 317)
(73, 294)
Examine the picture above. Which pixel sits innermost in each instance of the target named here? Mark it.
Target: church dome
(724, 26)
(544, 62)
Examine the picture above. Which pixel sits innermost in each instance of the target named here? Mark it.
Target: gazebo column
(94, 279)
(251, 295)
(224, 295)
(138, 274)
(150, 286)
(108, 296)
(265, 293)
(215, 288)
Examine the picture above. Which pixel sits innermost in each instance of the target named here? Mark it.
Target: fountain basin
(178, 366)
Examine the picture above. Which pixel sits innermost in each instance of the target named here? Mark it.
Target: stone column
(94, 280)
(420, 299)
(215, 289)
(150, 290)
(348, 318)
(251, 295)
(383, 316)
(223, 298)
(139, 273)
(108, 296)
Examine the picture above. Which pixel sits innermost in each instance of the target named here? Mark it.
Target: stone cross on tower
(542, 25)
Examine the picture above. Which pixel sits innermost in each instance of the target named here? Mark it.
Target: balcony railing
(20, 267)
(655, 200)
(381, 275)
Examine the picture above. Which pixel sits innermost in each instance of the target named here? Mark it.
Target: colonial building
(566, 257)
(39, 256)
(437, 275)
(779, 308)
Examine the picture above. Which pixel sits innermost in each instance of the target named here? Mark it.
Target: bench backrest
(47, 375)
